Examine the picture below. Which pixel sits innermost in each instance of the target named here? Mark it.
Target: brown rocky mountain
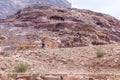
(60, 27)
(8, 7)
(21, 35)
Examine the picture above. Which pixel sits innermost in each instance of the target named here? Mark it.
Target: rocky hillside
(60, 27)
(81, 60)
(65, 31)
(8, 7)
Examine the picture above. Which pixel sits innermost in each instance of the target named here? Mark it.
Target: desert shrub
(100, 52)
(21, 67)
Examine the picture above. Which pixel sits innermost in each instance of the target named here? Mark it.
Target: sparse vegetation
(21, 67)
(100, 52)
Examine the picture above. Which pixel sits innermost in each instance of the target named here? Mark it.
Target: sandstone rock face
(8, 7)
(61, 27)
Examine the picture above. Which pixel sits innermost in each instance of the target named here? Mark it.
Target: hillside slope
(60, 27)
(72, 39)
(8, 7)
(75, 60)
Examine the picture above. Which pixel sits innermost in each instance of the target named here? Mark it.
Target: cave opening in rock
(99, 23)
(57, 18)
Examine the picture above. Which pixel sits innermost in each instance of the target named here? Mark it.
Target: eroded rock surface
(61, 27)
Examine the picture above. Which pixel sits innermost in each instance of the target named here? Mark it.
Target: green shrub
(100, 52)
(21, 67)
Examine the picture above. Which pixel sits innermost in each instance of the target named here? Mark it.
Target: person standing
(43, 43)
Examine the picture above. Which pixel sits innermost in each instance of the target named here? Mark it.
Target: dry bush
(100, 52)
(21, 67)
